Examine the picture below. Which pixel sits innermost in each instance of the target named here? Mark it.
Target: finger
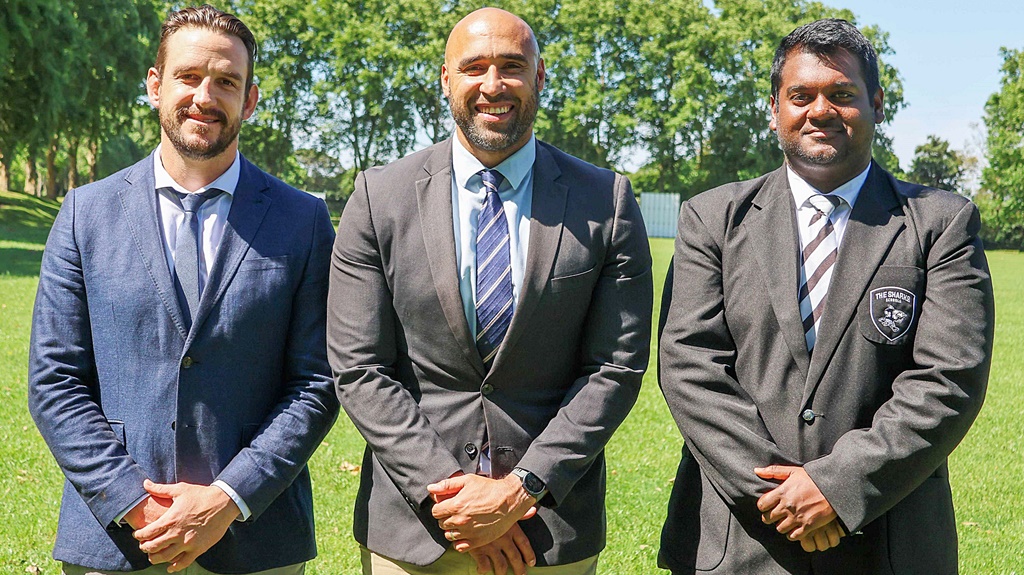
(833, 533)
(769, 500)
(166, 555)
(483, 563)
(807, 545)
(785, 526)
(157, 544)
(450, 485)
(820, 540)
(778, 513)
(164, 490)
(530, 513)
(781, 472)
(181, 562)
(523, 544)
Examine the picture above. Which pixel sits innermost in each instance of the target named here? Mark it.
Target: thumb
(775, 471)
(164, 490)
(446, 486)
(529, 513)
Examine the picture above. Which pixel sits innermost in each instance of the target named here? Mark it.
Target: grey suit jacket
(409, 376)
(891, 403)
(122, 392)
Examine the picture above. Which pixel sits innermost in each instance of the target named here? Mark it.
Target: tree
(936, 165)
(1002, 200)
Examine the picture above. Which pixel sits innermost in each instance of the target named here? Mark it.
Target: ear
(445, 87)
(541, 74)
(250, 102)
(773, 124)
(153, 87)
(877, 103)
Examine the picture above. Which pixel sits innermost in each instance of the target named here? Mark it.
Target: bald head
(492, 23)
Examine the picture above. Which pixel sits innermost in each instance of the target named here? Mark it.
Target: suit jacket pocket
(267, 263)
(117, 427)
(574, 281)
(888, 313)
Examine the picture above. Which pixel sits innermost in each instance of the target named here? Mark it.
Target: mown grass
(987, 470)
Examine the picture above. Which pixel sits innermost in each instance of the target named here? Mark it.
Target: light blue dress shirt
(516, 194)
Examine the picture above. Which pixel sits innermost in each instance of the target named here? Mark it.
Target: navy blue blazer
(121, 391)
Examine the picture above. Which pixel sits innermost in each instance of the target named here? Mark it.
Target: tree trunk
(73, 163)
(5, 173)
(51, 168)
(91, 157)
(31, 185)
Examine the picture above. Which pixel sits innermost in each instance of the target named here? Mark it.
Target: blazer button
(808, 415)
(471, 450)
(186, 362)
(487, 389)
(172, 426)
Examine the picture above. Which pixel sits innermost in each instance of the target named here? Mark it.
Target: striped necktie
(186, 251)
(494, 305)
(819, 258)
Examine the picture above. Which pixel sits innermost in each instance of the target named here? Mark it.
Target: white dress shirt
(212, 217)
(840, 216)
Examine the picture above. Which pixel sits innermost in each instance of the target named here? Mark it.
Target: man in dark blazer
(467, 434)
(827, 344)
(178, 363)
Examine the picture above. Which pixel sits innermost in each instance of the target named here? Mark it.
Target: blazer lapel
(139, 202)
(774, 240)
(434, 199)
(874, 224)
(546, 217)
(249, 204)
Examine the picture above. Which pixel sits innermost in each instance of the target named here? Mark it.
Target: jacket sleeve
(720, 422)
(363, 351)
(614, 353)
(935, 400)
(307, 408)
(62, 383)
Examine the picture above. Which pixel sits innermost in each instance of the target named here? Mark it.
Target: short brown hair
(209, 18)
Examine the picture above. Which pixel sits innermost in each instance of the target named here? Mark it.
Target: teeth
(496, 111)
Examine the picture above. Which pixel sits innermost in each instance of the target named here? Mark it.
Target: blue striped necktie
(494, 300)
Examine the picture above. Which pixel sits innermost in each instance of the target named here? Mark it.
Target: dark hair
(209, 18)
(826, 38)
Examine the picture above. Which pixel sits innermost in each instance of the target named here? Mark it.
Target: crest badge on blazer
(892, 311)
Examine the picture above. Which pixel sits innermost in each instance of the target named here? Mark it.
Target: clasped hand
(798, 508)
(178, 522)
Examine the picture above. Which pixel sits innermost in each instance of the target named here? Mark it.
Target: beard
(823, 157)
(195, 148)
(495, 140)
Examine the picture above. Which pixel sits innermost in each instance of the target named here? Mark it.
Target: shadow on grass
(20, 262)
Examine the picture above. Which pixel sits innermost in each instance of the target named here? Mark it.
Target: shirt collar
(514, 168)
(226, 182)
(848, 191)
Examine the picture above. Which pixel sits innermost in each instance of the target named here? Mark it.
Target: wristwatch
(531, 483)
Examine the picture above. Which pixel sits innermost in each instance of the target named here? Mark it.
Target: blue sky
(947, 52)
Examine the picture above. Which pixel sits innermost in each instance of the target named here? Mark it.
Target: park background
(672, 92)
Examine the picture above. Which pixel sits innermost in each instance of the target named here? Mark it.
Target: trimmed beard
(494, 140)
(172, 121)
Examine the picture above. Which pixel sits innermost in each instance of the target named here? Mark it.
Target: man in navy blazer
(178, 366)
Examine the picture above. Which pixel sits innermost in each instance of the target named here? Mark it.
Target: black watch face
(533, 484)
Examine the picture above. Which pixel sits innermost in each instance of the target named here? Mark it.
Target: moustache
(183, 113)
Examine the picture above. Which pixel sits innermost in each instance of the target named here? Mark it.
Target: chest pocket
(888, 313)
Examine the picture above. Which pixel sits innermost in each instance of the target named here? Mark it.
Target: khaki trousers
(193, 569)
(455, 563)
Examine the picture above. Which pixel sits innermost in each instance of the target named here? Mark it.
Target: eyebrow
(507, 56)
(801, 87)
(230, 74)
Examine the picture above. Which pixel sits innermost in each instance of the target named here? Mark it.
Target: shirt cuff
(244, 514)
(119, 518)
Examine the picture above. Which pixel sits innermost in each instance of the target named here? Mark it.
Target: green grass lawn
(987, 470)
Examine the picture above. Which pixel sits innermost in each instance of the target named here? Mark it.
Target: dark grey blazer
(409, 376)
(891, 404)
(122, 392)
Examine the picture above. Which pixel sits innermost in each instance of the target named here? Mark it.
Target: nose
(821, 108)
(492, 82)
(202, 95)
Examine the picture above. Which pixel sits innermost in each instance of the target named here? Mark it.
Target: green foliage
(936, 165)
(1002, 203)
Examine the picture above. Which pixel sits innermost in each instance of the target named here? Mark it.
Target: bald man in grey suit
(485, 393)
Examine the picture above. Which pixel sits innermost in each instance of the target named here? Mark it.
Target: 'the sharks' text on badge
(892, 311)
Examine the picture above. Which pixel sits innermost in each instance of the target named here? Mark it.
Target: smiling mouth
(493, 110)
